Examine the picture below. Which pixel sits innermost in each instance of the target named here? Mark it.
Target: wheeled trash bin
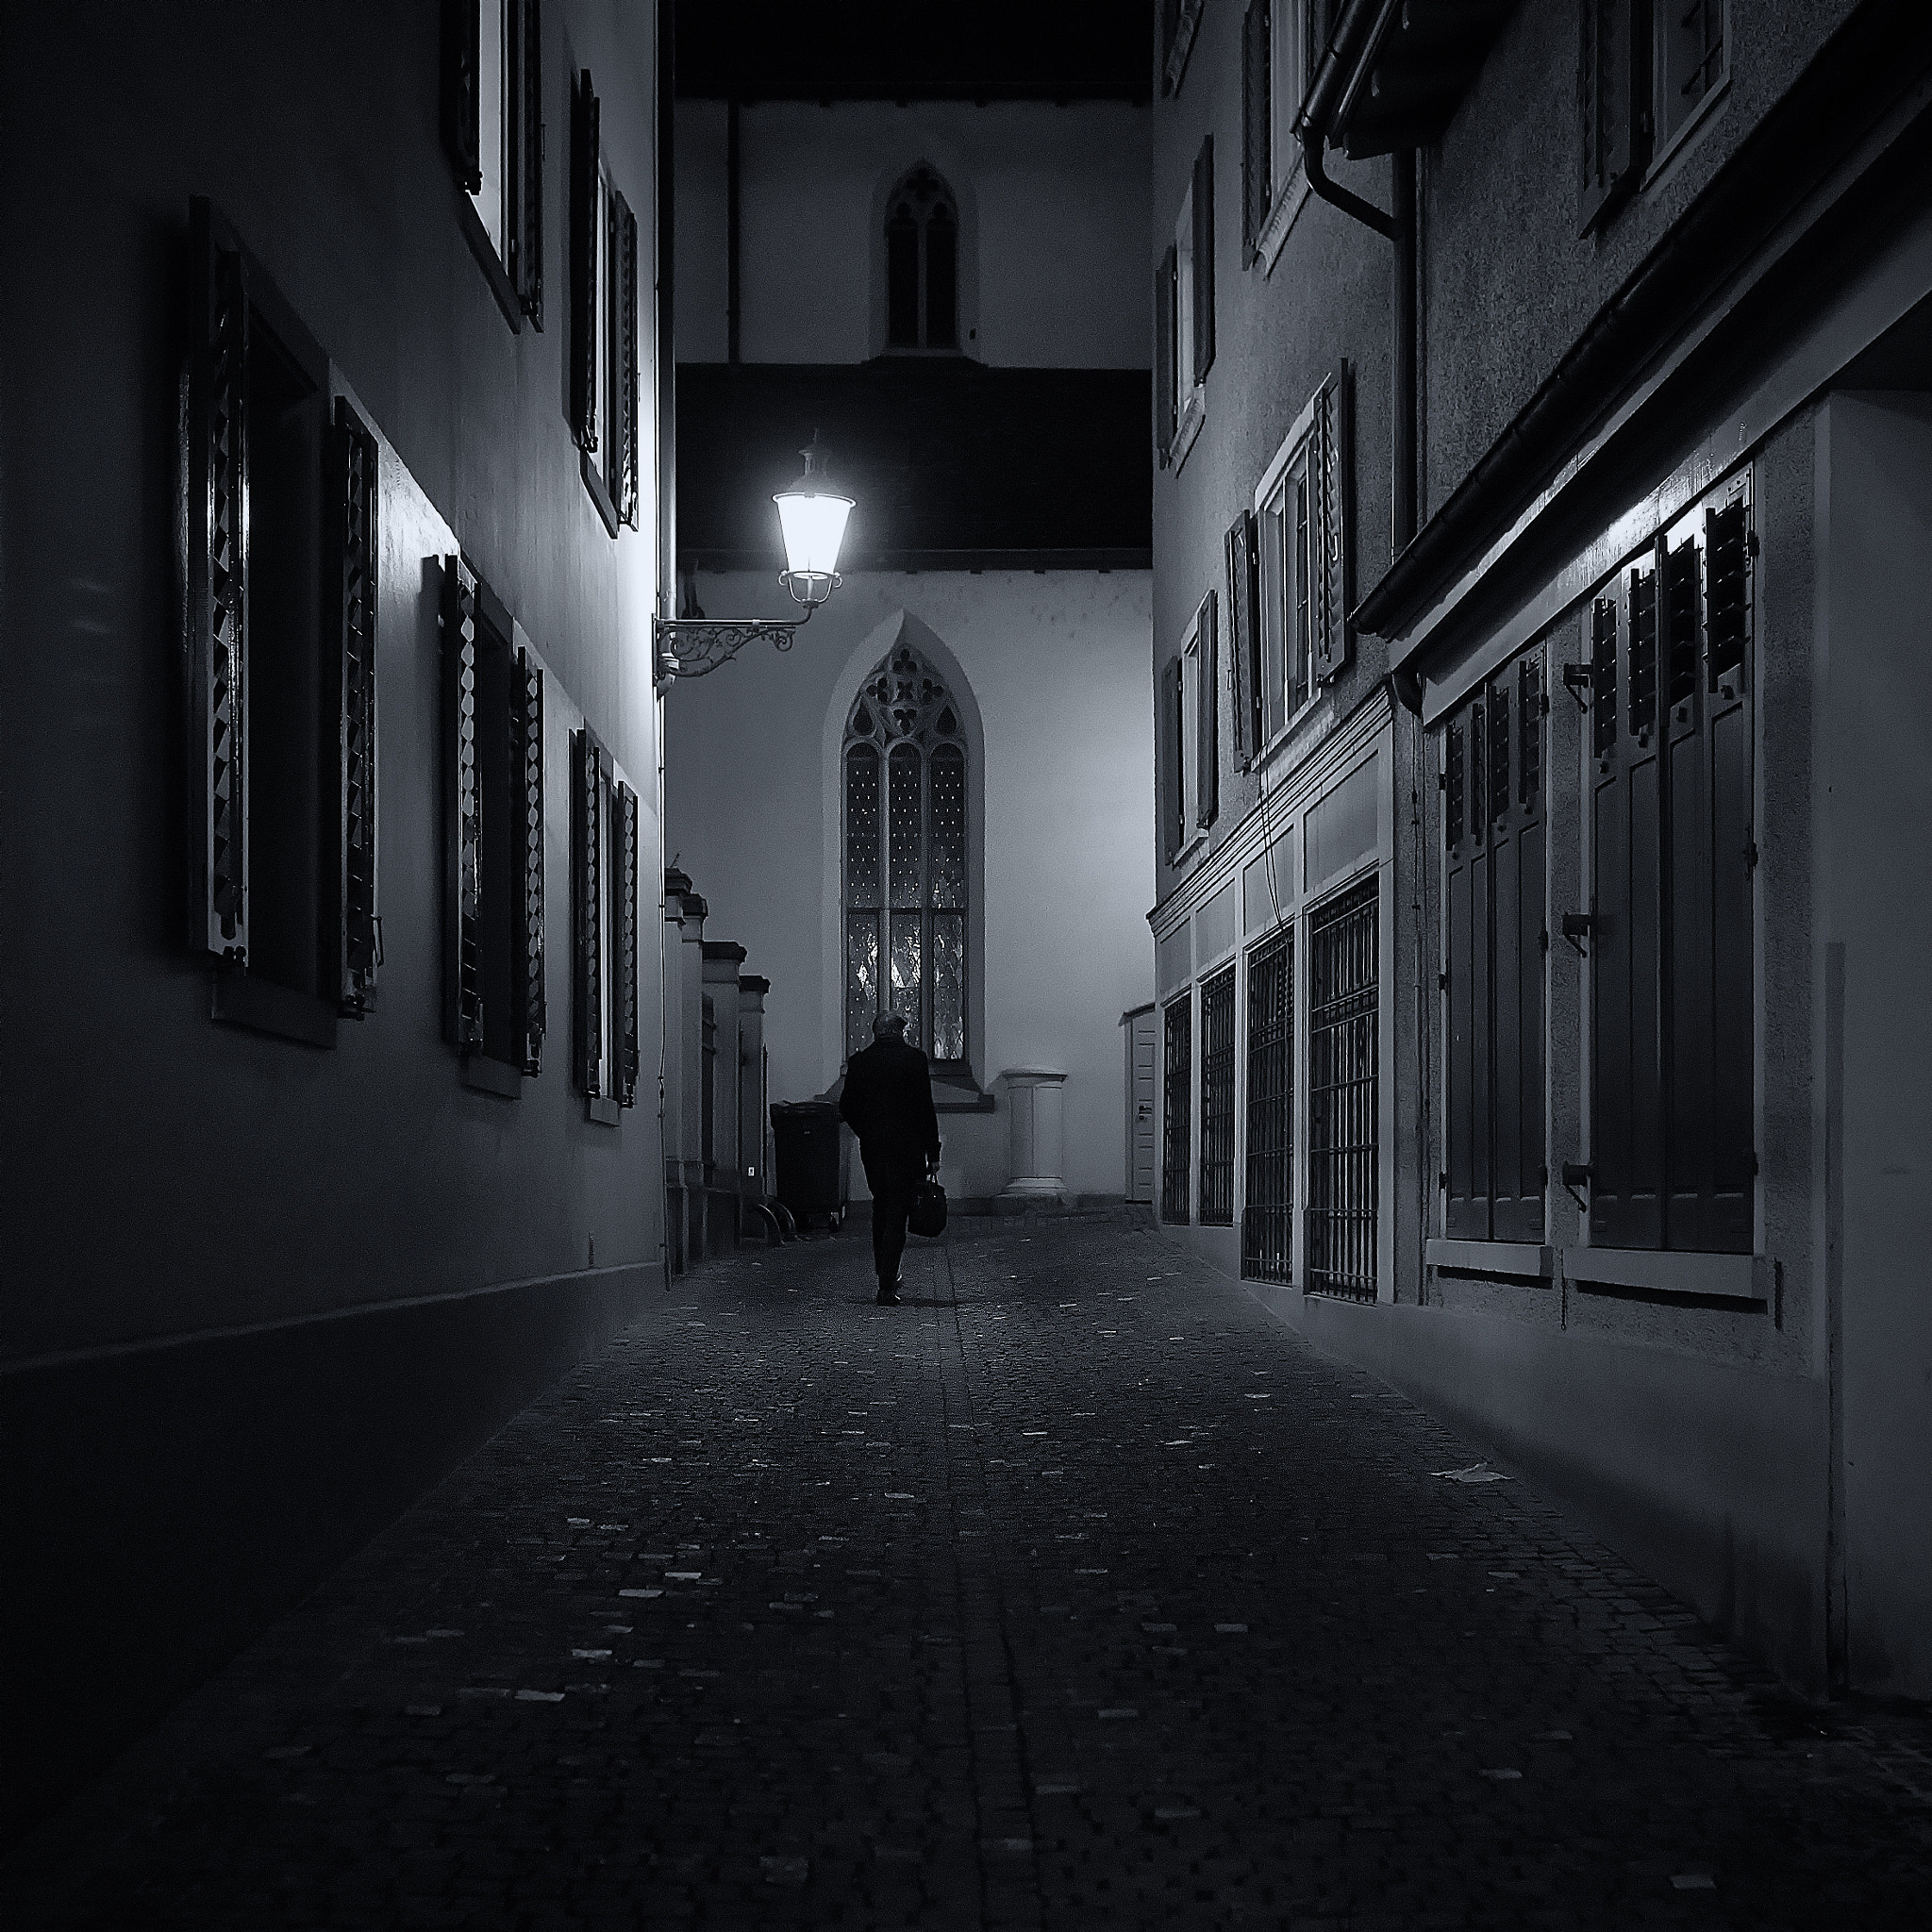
(814, 1160)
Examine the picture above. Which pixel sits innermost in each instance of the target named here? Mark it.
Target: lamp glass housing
(813, 524)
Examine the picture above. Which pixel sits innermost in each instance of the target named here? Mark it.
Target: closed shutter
(1203, 259)
(624, 233)
(1331, 435)
(217, 489)
(462, 813)
(1612, 85)
(1244, 637)
(461, 66)
(1163, 357)
(626, 948)
(583, 263)
(533, 1001)
(526, 267)
(351, 567)
(1207, 780)
(1519, 887)
(587, 835)
(1466, 1212)
(1174, 738)
(1256, 144)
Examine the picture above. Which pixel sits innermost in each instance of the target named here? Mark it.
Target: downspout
(665, 402)
(733, 181)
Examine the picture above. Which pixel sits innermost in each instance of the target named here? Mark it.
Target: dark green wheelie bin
(814, 1160)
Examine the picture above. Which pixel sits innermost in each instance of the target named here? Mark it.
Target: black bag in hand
(928, 1214)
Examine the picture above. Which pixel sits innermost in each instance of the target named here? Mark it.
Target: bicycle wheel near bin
(814, 1160)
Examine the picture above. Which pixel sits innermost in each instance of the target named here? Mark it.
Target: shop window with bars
(1176, 1091)
(1343, 1094)
(1217, 1100)
(1495, 898)
(1672, 855)
(1267, 1216)
(904, 773)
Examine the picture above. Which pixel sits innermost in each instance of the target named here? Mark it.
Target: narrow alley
(1078, 1591)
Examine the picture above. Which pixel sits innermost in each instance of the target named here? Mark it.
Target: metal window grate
(1342, 1095)
(1178, 1074)
(1217, 1100)
(1267, 1226)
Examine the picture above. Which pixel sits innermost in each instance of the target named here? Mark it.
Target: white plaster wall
(1054, 209)
(1055, 662)
(1874, 589)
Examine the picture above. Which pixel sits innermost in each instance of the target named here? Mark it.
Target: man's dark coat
(888, 1103)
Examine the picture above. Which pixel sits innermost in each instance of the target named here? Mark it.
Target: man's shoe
(889, 1297)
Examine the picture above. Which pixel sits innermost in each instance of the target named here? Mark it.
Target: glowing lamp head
(812, 517)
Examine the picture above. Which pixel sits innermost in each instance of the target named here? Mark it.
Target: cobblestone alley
(1076, 1592)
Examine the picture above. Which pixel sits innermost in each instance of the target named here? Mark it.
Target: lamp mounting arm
(696, 646)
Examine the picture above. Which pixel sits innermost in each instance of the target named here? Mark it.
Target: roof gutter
(1352, 32)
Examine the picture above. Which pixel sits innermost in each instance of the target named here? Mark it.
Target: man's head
(889, 1026)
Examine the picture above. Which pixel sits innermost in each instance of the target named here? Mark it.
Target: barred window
(1217, 1100)
(906, 891)
(1343, 1094)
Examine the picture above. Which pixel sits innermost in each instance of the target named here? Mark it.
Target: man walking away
(888, 1103)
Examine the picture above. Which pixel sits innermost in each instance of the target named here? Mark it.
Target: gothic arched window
(904, 905)
(922, 264)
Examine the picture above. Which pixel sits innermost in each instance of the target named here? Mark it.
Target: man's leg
(889, 1212)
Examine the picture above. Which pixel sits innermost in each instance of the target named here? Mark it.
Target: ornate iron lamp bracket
(696, 646)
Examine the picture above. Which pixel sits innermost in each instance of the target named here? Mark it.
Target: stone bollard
(1035, 1096)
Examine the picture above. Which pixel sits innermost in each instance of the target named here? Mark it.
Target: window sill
(1175, 64)
(1290, 199)
(1524, 1259)
(238, 1000)
(1189, 431)
(1185, 855)
(602, 1109)
(484, 249)
(1315, 711)
(960, 1092)
(492, 1076)
(1725, 1277)
(594, 482)
(1664, 161)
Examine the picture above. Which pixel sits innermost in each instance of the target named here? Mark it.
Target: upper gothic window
(905, 884)
(922, 264)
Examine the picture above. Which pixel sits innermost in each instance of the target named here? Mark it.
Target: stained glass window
(906, 884)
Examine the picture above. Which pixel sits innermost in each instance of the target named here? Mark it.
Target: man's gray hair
(889, 1024)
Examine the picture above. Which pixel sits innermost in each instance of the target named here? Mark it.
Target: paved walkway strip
(1076, 1592)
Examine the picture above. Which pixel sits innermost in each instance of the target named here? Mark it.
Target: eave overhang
(1404, 66)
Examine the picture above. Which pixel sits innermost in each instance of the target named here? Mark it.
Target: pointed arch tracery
(906, 888)
(923, 262)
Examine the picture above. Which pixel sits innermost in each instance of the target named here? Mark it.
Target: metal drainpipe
(733, 182)
(665, 402)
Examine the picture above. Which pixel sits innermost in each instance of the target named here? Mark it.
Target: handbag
(928, 1214)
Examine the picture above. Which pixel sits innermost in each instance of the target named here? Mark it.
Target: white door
(1142, 1030)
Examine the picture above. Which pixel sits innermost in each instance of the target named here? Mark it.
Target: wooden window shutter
(627, 949)
(1613, 88)
(583, 263)
(1163, 356)
(1331, 431)
(462, 813)
(217, 641)
(527, 232)
(1203, 259)
(350, 683)
(1257, 147)
(1244, 637)
(1517, 900)
(1207, 777)
(1466, 1208)
(532, 1002)
(624, 228)
(1170, 774)
(462, 25)
(587, 835)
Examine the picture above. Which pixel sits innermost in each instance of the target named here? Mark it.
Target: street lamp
(811, 520)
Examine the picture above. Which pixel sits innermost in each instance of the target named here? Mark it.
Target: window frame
(1274, 183)
(1185, 335)
(605, 853)
(606, 349)
(494, 139)
(943, 197)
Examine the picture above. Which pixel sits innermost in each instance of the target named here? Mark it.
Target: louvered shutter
(1163, 357)
(1207, 781)
(1203, 259)
(1613, 76)
(532, 1002)
(1257, 158)
(587, 837)
(1171, 774)
(462, 68)
(1466, 1211)
(583, 263)
(527, 172)
(217, 489)
(1243, 614)
(627, 949)
(1331, 431)
(351, 567)
(462, 813)
(624, 262)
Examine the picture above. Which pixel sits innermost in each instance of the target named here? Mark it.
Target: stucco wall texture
(165, 1174)
(1053, 206)
(1055, 664)
(1508, 284)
